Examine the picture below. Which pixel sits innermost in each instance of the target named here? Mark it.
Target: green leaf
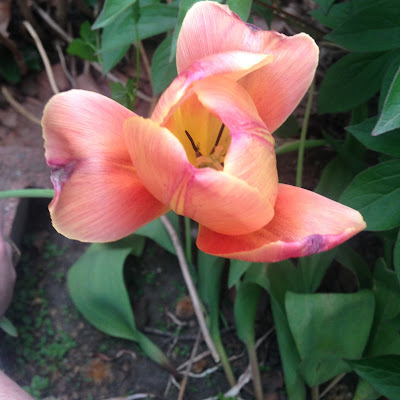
(245, 308)
(155, 230)
(8, 327)
(325, 5)
(119, 35)
(387, 144)
(388, 77)
(374, 28)
(390, 116)
(364, 391)
(344, 86)
(327, 328)
(396, 256)
(111, 11)
(81, 49)
(350, 259)
(375, 193)
(288, 129)
(383, 373)
(240, 7)
(336, 16)
(96, 285)
(236, 271)
(163, 71)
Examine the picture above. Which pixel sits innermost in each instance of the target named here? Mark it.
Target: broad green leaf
(162, 70)
(237, 269)
(325, 5)
(8, 327)
(210, 269)
(390, 116)
(288, 129)
(119, 35)
(327, 328)
(396, 256)
(374, 28)
(383, 373)
(387, 80)
(344, 86)
(96, 285)
(240, 7)
(123, 94)
(364, 391)
(155, 230)
(387, 144)
(294, 384)
(375, 193)
(111, 11)
(245, 308)
(336, 16)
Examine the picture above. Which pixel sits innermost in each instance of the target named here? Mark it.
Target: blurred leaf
(8, 327)
(288, 129)
(8, 67)
(383, 373)
(240, 7)
(364, 391)
(184, 6)
(335, 17)
(355, 263)
(344, 86)
(396, 256)
(96, 285)
(123, 94)
(325, 5)
(81, 49)
(155, 230)
(264, 12)
(163, 71)
(327, 328)
(312, 269)
(390, 116)
(111, 11)
(388, 143)
(374, 28)
(119, 35)
(375, 193)
(236, 271)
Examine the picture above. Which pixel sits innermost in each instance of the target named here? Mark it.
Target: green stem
(137, 63)
(294, 146)
(188, 240)
(315, 392)
(36, 193)
(255, 371)
(216, 337)
(303, 134)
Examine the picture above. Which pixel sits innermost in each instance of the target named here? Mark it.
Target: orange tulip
(206, 152)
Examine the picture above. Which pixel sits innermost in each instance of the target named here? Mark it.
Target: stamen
(195, 148)
(218, 138)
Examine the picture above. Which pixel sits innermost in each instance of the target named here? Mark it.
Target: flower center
(217, 155)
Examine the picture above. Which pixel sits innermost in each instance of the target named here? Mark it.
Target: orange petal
(98, 196)
(304, 223)
(234, 201)
(233, 64)
(210, 28)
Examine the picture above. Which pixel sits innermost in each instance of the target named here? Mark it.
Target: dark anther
(195, 148)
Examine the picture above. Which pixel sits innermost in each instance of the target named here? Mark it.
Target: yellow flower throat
(217, 155)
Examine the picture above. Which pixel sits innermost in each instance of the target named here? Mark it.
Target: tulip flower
(207, 151)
